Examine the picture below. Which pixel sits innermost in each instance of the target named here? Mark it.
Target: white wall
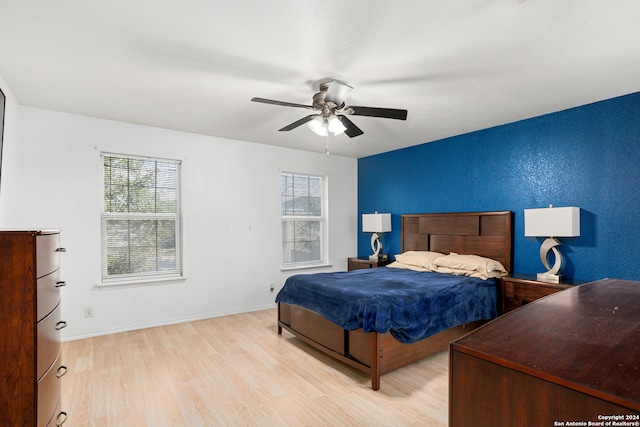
(8, 173)
(230, 206)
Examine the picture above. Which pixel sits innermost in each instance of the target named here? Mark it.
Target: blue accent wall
(586, 156)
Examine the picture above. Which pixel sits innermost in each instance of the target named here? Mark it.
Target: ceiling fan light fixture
(335, 125)
(329, 100)
(318, 126)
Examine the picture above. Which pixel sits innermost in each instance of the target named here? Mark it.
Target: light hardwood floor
(237, 371)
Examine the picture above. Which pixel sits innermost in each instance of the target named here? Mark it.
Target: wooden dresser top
(586, 337)
(30, 231)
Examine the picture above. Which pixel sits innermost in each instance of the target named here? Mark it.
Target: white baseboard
(169, 322)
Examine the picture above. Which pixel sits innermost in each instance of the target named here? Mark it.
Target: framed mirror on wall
(2, 100)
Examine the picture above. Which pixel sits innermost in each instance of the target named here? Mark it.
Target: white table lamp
(376, 223)
(551, 223)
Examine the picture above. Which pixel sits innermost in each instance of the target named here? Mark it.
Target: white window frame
(150, 276)
(322, 219)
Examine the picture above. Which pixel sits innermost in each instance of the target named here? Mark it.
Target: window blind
(303, 219)
(141, 234)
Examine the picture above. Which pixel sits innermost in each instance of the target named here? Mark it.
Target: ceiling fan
(332, 112)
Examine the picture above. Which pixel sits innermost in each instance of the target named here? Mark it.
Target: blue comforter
(410, 305)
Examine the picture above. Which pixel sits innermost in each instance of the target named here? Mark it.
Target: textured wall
(230, 204)
(587, 157)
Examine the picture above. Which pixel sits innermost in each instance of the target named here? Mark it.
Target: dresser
(571, 357)
(30, 324)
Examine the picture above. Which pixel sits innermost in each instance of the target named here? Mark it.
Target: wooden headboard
(488, 234)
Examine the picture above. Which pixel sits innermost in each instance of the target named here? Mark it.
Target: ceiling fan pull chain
(326, 144)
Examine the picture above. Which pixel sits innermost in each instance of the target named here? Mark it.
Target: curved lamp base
(376, 246)
(553, 274)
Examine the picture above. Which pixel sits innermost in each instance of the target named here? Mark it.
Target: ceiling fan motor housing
(318, 100)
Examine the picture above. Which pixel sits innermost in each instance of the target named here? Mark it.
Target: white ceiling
(194, 65)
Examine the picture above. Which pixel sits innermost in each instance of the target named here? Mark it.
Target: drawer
(48, 293)
(518, 294)
(49, 341)
(49, 392)
(318, 328)
(47, 255)
(59, 418)
(284, 313)
(355, 265)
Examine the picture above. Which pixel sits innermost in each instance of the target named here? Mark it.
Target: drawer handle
(60, 284)
(61, 249)
(61, 418)
(61, 325)
(62, 370)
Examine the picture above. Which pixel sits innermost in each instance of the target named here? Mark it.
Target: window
(304, 224)
(141, 237)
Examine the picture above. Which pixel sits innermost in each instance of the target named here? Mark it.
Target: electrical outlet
(271, 287)
(88, 312)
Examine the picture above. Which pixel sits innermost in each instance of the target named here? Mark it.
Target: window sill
(305, 267)
(139, 282)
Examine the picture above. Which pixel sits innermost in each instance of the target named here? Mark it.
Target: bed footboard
(370, 352)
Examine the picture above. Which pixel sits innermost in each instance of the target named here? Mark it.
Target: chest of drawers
(30, 325)
(567, 359)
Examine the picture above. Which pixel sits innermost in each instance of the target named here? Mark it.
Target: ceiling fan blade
(352, 130)
(284, 104)
(299, 122)
(337, 93)
(387, 113)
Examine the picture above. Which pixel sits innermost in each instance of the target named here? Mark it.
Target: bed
(486, 234)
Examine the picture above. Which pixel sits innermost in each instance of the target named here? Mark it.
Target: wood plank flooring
(237, 371)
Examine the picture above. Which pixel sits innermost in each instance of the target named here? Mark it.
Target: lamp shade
(376, 223)
(335, 125)
(318, 126)
(552, 222)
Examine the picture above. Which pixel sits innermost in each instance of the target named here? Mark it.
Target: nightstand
(362, 262)
(520, 289)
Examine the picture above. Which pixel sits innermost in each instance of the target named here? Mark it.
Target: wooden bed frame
(487, 234)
